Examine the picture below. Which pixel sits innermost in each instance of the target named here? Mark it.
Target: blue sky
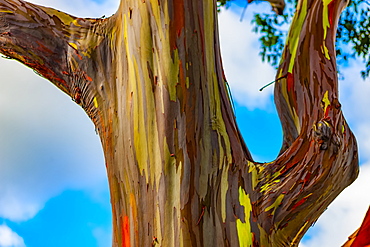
(47, 144)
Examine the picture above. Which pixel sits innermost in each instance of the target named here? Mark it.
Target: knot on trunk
(324, 135)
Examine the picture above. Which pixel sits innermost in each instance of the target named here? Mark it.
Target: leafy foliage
(354, 34)
(221, 3)
(353, 37)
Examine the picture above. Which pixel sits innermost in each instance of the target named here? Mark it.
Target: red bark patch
(328, 108)
(290, 82)
(299, 203)
(331, 12)
(177, 22)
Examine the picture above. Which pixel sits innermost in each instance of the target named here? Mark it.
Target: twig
(284, 76)
(243, 13)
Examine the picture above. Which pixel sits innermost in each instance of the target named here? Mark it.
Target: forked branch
(319, 154)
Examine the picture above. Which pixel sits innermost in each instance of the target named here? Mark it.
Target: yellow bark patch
(275, 205)
(65, 18)
(325, 50)
(295, 31)
(268, 186)
(73, 45)
(244, 228)
(325, 100)
(325, 25)
(95, 102)
(254, 174)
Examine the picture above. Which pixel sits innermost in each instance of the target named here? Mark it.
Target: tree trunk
(150, 77)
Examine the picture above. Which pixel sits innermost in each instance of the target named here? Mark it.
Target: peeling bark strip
(151, 79)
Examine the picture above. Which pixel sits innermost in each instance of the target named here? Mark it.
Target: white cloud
(244, 70)
(8, 238)
(354, 96)
(47, 143)
(82, 8)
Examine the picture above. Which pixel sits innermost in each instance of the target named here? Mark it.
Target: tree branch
(56, 45)
(319, 154)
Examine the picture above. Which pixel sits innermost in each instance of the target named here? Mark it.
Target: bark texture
(150, 77)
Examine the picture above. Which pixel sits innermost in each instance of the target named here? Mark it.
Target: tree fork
(151, 79)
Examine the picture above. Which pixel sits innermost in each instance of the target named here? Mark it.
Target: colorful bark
(151, 79)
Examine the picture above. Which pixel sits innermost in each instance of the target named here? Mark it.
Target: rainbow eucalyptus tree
(151, 79)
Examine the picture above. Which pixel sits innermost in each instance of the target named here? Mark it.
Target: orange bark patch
(88, 77)
(125, 231)
(134, 213)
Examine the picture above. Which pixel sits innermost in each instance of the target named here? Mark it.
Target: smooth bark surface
(150, 77)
